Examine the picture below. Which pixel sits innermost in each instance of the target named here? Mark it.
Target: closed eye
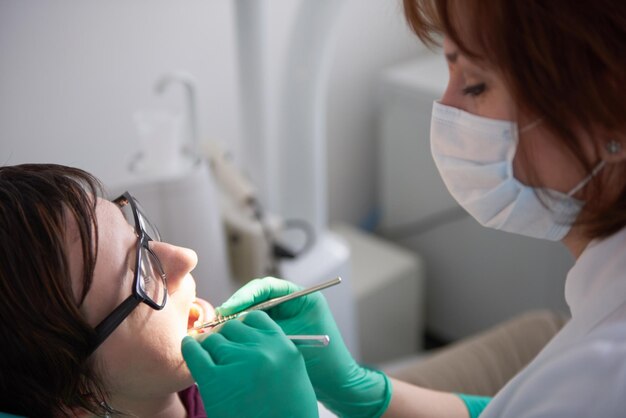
(474, 90)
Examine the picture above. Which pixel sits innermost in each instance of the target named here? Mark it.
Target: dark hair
(45, 368)
(562, 60)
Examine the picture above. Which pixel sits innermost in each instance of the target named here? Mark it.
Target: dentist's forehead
(466, 33)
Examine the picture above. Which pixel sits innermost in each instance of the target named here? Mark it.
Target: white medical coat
(582, 371)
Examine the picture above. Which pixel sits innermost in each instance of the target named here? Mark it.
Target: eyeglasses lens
(151, 277)
(147, 226)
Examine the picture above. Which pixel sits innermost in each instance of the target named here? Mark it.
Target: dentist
(530, 138)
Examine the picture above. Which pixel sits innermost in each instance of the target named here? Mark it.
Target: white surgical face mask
(474, 156)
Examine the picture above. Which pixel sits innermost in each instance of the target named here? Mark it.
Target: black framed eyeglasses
(150, 280)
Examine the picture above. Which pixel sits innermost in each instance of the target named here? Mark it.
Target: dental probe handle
(269, 303)
(277, 301)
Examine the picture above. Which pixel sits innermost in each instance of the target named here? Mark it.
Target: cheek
(498, 103)
(494, 107)
(530, 159)
(145, 358)
(159, 334)
(540, 162)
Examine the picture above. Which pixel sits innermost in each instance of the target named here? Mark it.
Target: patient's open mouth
(200, 312)
(196, 315)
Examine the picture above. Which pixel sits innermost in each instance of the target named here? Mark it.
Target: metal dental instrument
(313, 341)
(270, 303)
(310, 340)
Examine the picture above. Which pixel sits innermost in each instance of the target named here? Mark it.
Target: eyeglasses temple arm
(114, 319)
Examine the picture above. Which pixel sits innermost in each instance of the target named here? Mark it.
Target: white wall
(372, 35)
(73, 72)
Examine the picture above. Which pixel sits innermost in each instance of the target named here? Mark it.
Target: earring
(613, 147)
(107, 409)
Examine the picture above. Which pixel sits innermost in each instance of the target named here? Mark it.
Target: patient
(72, 271)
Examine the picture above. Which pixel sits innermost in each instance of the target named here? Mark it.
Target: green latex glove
(250, 369)
(341, 384)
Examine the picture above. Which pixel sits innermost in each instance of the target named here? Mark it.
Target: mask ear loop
(530, 125)
(587, 179)
(612, 147)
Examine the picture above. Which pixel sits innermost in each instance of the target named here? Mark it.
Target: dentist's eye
(474, 90)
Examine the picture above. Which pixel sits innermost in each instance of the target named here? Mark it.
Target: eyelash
(474, 90)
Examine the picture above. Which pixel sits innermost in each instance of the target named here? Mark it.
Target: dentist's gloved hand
(341, 384)
(250, 369)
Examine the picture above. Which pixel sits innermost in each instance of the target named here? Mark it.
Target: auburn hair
(45, 365)
(562, 61)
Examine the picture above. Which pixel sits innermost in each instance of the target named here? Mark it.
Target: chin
(183, 376)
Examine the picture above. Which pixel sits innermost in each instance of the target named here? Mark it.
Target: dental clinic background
(74, 73)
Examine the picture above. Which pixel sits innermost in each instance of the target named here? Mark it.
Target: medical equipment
(299, 340)
(253, 235)
(310, 340)
(160, 135)
(268, 304)
(283, 122)
(188, 81)
(484, 184)
(168, 137)
(390, 290)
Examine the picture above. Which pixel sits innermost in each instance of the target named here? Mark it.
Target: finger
(198, 360)
(261, 321)
(256, 291)
(219, 348)
(305, 308)
(194, 351)
(250, 327)
(238, 332)
(210, 340)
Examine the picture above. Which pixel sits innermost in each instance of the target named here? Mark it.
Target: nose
(452, 97)
(177, 261)
(447, 98)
